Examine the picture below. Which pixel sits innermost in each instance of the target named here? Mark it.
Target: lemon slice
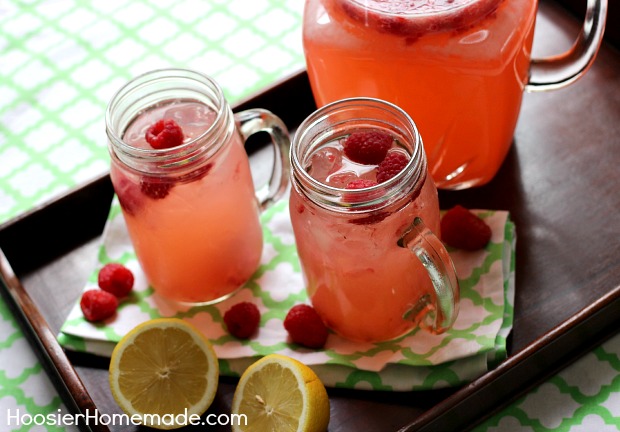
(278, 393)
(164, 373)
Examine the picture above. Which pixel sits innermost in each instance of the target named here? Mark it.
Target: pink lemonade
(361, 282)
(457, 67)
(196, 232)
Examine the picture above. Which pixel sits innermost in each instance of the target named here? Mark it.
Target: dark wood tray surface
(559, 182)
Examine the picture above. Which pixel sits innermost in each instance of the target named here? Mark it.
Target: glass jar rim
(157, 82)
(365, 199)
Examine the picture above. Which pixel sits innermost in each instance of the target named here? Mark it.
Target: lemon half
(278, 393)
(163, 372)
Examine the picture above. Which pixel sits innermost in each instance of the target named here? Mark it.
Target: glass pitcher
(458, 67)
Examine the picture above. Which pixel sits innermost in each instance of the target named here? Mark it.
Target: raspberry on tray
(305, 327)
(98, 305)
(116, 279)
(242, 320)
(462, 229)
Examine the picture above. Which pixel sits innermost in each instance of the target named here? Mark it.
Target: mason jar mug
(190, 206)
(367, 236)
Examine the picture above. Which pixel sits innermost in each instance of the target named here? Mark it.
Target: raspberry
(368, 148)
(98, 305)
(242, 320)
(163, 134)
(361, 184)
(202, 171)
(154, 187)
(462, 229)
(393, 163)
(116, 279)
(305, 327)
(128, 193)
(196, 174)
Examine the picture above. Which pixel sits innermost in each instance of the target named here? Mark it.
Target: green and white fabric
(25, 389)
(584, 397)
(416, 361)
(62, 60)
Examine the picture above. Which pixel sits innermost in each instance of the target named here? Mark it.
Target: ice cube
(194, 118)
(325, 162)
(341, 179)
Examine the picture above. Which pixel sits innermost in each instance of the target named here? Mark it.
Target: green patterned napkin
(418, 360)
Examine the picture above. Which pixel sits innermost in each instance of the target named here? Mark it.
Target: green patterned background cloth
(60, 62)
(416, 361)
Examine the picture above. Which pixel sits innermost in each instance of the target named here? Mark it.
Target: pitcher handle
(439, 313)
(260, 120)
(558, 71)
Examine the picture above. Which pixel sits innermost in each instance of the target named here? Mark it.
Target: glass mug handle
(256, 120)
(558, 71)
(435, 315)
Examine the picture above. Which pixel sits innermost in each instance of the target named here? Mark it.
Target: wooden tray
(559, 183)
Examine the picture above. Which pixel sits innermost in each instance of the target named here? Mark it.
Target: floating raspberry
(97, 305)
(361, 184)
(196, 174)
(242, 320)
(462, 229)
(128, 193)
(154, 187)
(368, 147)
(116, 279)
(359, 197)
(163, 134)
(202, 171)
(393, 163)
(305, 327)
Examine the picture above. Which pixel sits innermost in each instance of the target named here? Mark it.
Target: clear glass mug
(372, 266)
(191, 211)
(459, 68)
